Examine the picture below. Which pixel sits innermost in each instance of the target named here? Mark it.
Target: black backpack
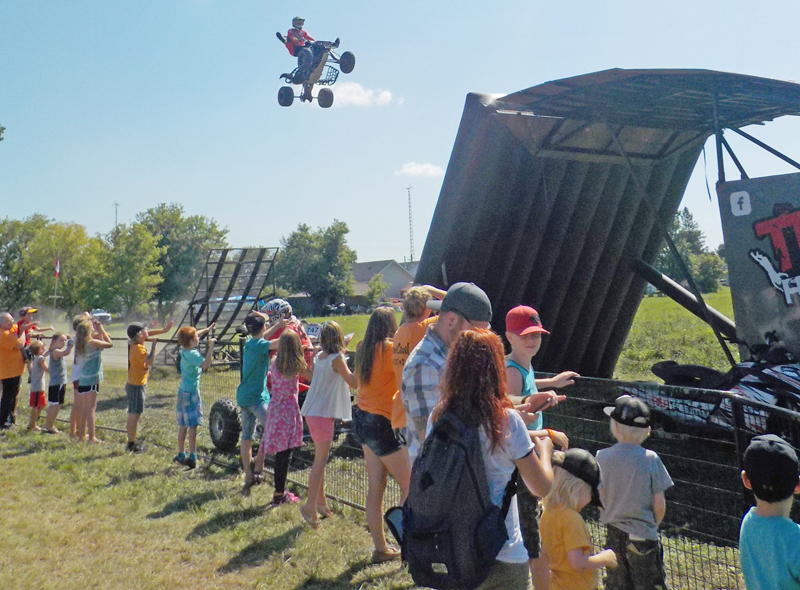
(451, 531)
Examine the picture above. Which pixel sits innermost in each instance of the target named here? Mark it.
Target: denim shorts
(376, 432)
(135, 395)
(251, 414)
(189, 409)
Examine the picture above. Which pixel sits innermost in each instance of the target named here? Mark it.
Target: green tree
(184, 242)
(707, 270)
(377, 289)
(131, 273)
(2, 129)
(318, 263)
(79, 256)
(18, 285)
(705, 267)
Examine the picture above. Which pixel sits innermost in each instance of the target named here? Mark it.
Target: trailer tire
(224, 425)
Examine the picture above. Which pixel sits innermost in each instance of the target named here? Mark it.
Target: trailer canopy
(553, 191)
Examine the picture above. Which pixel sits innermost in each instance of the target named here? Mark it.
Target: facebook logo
(740, 203)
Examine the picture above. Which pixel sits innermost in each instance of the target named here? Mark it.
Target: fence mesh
(699, 434)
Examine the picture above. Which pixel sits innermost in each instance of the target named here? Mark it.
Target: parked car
(101, 315)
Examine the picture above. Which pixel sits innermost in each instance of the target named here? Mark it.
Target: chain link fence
(699, 434)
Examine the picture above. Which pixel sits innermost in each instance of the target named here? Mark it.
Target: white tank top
(329, 395)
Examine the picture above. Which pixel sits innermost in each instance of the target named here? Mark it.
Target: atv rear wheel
(325, 98)
(224, 425)
(286, 96)
(347, 62)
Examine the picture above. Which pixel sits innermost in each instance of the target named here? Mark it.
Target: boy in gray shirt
(632, 492)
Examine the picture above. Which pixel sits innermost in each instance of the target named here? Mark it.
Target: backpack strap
(511, 489)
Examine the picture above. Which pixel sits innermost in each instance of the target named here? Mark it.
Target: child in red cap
(524, 332)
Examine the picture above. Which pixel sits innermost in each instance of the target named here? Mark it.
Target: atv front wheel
(347, 62)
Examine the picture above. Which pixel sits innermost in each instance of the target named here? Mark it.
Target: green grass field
(84, 516)
(663, 330)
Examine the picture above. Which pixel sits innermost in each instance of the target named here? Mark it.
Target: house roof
(539, 207)
(363, 271)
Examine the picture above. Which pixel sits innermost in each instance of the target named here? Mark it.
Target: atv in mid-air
(320, 71)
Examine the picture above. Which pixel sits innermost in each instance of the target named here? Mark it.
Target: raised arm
(164, 330)
(206, 330)
(151, 358)
(209, 354)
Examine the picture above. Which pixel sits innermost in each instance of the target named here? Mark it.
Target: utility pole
(410, 223)
(116, 214)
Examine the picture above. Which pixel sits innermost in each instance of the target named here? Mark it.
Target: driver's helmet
(297, 22)
(277, 309)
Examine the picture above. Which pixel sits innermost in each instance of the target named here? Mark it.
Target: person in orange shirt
(383, 453)
(12, 365)
(139, 364)
(416, 319)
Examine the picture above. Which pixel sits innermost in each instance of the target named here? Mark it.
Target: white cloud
(353, 94)
(414, 169)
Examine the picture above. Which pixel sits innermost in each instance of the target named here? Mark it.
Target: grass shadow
(183, 504)
(131, 476)
(259, 552)
(347, 579)
(111, 403)
(226, 520)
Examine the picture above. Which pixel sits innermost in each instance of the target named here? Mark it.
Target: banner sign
(761, 226)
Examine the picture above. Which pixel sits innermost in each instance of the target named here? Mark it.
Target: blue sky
(155, 101)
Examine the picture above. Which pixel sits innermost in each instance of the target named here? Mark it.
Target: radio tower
(410, 223)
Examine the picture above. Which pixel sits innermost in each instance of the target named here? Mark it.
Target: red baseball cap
(524, 320)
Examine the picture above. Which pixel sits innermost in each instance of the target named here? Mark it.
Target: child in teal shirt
(189, 408)
(252, 395)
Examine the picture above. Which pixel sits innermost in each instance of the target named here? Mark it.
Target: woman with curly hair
(475, 391)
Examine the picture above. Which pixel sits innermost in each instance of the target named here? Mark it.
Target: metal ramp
(232, 283)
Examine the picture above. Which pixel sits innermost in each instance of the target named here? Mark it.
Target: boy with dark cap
(634, 481)
(769, 541)
(252, 395)
(139, 364)
(565, 538)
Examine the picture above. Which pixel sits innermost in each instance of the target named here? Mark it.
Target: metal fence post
(740, 439)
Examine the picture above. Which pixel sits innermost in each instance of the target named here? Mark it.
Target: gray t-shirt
(58, 372)
(631, 476)
(37, 373)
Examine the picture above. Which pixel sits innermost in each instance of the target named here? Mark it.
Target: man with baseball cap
(465, 306)
(769, 541)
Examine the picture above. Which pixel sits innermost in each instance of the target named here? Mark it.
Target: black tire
(224, 425)
(347, 62)
(286, 96)
(325, 98)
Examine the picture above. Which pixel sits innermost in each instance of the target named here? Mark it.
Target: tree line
(706, 267)
(152, 264)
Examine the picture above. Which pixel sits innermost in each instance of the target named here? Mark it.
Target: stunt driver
(300, 45)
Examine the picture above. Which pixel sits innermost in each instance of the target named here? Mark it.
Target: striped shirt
(420, 390)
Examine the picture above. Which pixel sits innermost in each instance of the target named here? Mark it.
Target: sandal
(324, 511)
(390, 554)
(310, 520)
(284, 498)
(258, 477)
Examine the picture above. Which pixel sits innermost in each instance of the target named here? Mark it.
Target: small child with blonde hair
(37, 368)
(565, 538)
(634, 481)
(189, 407)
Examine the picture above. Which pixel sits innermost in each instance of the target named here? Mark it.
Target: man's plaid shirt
(420, 391)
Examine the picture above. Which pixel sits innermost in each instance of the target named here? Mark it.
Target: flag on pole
(58, 268)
